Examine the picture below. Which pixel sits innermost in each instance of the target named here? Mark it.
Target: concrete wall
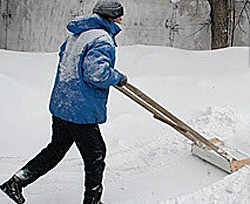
(39, 25)
(36, 25)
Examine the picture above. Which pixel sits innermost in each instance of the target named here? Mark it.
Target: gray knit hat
(108, 8)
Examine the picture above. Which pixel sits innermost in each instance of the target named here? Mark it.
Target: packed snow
(147, 162)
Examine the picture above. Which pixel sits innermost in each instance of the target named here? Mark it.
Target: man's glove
(123, 81)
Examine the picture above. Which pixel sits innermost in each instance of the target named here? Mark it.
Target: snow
(147, 161)
(175, 1)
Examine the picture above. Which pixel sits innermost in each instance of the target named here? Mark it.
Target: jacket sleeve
(98, 65)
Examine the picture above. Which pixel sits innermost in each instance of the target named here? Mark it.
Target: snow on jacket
(85, 71)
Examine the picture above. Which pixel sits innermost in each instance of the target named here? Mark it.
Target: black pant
(90, 143)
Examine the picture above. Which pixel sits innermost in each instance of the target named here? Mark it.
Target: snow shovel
(213, 151)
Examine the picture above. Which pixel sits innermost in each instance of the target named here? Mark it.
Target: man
(78, 101)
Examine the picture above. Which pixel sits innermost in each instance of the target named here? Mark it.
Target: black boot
(93, 196)
(92, 202)
(13, 189)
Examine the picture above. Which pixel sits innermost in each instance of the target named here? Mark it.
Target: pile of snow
(147, 161)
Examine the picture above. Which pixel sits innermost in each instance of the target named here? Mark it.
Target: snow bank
(233, 189)
(147, 162)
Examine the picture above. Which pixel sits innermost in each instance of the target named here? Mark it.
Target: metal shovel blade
(240, 159)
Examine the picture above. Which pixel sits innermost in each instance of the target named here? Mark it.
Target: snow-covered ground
(148, 162)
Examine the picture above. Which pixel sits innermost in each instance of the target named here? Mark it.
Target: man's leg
(50, 156)
(90, 143)
(47, 159)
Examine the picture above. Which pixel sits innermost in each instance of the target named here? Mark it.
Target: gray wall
(39, 25)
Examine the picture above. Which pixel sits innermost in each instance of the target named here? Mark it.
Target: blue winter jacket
(85, 71)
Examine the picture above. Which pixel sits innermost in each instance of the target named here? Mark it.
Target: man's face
(117, 20)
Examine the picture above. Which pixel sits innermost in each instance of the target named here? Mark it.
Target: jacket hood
(92, 21)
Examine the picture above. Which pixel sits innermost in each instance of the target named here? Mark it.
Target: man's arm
(97, 66)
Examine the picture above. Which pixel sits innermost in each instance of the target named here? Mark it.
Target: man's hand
(123, 81)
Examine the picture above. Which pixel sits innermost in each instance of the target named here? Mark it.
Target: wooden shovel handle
(236, 165)
(173, 118)
(165, 116)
